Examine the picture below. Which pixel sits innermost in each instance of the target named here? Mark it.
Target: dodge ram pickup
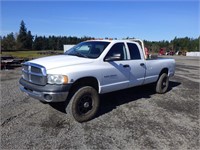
(90, 68)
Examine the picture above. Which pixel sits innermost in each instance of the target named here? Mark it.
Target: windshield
(89, 49)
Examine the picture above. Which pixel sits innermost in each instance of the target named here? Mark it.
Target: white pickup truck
(91, 68)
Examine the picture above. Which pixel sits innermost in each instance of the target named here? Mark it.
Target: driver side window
(117, 49)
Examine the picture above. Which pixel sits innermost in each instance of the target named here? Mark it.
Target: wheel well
(86, 81)
(164, 70)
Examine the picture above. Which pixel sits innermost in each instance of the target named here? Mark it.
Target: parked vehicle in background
(171, 52)
(5, 61)
(164, 51)
(8, 61)
(91, 68)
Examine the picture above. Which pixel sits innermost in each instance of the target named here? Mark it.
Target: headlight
(57, 79)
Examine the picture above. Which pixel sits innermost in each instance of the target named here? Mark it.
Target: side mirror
(114, 57)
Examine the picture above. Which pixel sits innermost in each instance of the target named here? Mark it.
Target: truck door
(116, 69)
(137, 65)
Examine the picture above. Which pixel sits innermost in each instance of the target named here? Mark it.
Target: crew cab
(91, 68)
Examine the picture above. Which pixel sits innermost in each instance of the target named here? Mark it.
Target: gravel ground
(135, 118)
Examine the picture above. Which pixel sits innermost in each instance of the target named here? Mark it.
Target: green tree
(21, 39)
(38, 43)
(8, 42)
(24, 38)
(29, 41)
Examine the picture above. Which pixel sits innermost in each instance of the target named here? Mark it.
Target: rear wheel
(84, 104)
(162, 84)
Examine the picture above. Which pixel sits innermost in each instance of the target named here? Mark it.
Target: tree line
(185, 44)
(24, 40)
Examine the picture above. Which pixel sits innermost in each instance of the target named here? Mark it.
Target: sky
(151, 20)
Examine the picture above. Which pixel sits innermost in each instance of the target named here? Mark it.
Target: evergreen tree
(24, 38)
(21, 39)
(8, 42)
(29, 41)
(38, 43)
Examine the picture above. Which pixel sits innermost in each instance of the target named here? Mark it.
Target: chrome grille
(36, 70)
(34, 73)
(25, 67)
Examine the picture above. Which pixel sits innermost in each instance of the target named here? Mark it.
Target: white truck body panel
(51, 62)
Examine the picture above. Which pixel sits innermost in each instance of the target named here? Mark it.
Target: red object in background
(146, 52)
(162, 51)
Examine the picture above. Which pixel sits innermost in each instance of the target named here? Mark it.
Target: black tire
(162, 84)
(84, 104)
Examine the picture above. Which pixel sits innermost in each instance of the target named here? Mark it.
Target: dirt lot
(136, 118)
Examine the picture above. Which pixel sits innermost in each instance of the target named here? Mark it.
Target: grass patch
(27, 54)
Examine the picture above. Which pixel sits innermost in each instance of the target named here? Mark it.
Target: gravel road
(135, 118)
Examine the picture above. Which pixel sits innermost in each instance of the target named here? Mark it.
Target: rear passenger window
(134, 51)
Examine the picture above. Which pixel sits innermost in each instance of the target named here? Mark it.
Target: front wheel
(84, 104)
(162, 84)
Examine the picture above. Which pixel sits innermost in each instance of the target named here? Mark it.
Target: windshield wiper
(80, 55)
(75, 53)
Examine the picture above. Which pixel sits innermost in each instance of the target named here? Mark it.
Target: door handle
(126, 66)
(142, 64)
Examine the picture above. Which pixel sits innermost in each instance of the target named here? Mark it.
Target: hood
(52, 62)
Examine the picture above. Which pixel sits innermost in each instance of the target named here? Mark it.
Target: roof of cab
(113, 41)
